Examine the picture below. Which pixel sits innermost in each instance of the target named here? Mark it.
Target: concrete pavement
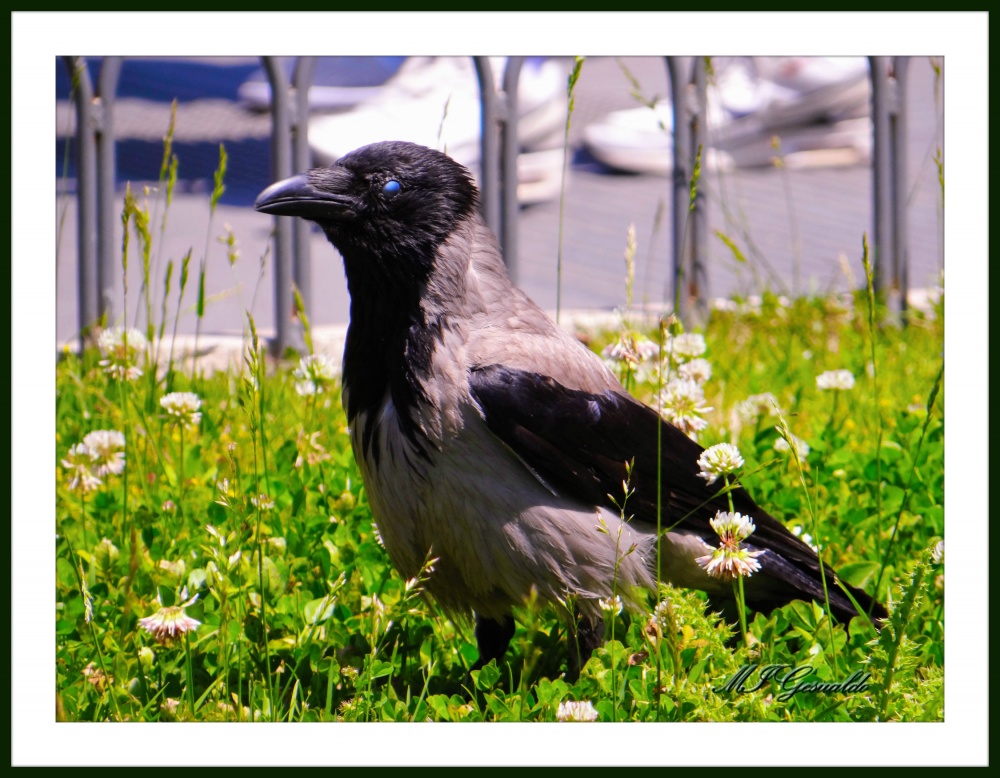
(809, 218)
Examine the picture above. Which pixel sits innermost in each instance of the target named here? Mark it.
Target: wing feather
(579, 443)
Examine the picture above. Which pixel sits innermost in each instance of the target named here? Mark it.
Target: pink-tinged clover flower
(80, 463)
(170, 623)
(730, 560)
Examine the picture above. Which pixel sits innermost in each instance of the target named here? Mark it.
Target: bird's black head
(381, 205)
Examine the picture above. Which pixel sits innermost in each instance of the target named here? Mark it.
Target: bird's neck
(386, 351)
(400, 312)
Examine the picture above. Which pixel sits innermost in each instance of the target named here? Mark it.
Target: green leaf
(858, 574)
(166, 596)
(486, 678)
(318, 611)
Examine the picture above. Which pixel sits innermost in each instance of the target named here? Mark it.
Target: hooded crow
(492, 439)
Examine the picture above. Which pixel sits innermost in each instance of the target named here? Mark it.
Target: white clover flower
(838, 380)
(262, 501)
(730, 564)
(781, 445)
(645, 348)
(611, 606)
(730, 560)
(576, 711)
(227, 498)
(732, 527)
(621, 350)
(757, 405)
(805, 537)
(751, 306)
(682, 403)
(661, 615)
(277, 545)
(310, 449)
(687, 345)
(80, 463)
(106, 445)
(176, 569)
(937, 554)
(96, 677)
(720, 459)
(632, 351)
(121, 349)
(698, 370)
(182, 408)
(168, 624)
(315, 374)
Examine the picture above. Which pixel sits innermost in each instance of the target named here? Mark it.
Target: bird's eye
(391, 188)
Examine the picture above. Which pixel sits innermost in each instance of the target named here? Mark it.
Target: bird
(494, 441)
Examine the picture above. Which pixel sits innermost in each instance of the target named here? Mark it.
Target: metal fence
(95, 146)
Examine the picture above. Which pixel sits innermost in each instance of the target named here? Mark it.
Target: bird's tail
(790, 581)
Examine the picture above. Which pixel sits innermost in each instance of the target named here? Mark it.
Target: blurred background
(788, 181)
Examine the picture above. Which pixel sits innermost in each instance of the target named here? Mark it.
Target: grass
(257, 520)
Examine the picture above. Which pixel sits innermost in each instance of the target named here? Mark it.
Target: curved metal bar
(86, 195)
(698, 280)
(281, 167)
(881, 173)
(689, 272)
(509, 148)
(107, 86)
(302, 262)
(900, 173)
(489, 164)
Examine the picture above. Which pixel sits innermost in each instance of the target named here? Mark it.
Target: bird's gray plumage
(489, 437)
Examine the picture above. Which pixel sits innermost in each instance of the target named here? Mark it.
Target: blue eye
(391, 188)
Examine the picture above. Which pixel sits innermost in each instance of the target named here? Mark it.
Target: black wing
(578, 442)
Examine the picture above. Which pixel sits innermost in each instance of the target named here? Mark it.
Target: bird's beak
(298, 196)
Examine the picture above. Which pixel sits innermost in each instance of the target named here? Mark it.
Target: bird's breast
(496, 530)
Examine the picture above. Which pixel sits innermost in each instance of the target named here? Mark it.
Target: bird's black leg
(492, 639)
(585, 636)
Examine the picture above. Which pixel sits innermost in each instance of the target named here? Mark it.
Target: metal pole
(698, 280)
(678, 182)
(86, 195)
(687, 92)
(881, 173)
(509, 147)
(900, 172)
(302, 265)
(281, 167)
(106, 250)
(489, 163)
